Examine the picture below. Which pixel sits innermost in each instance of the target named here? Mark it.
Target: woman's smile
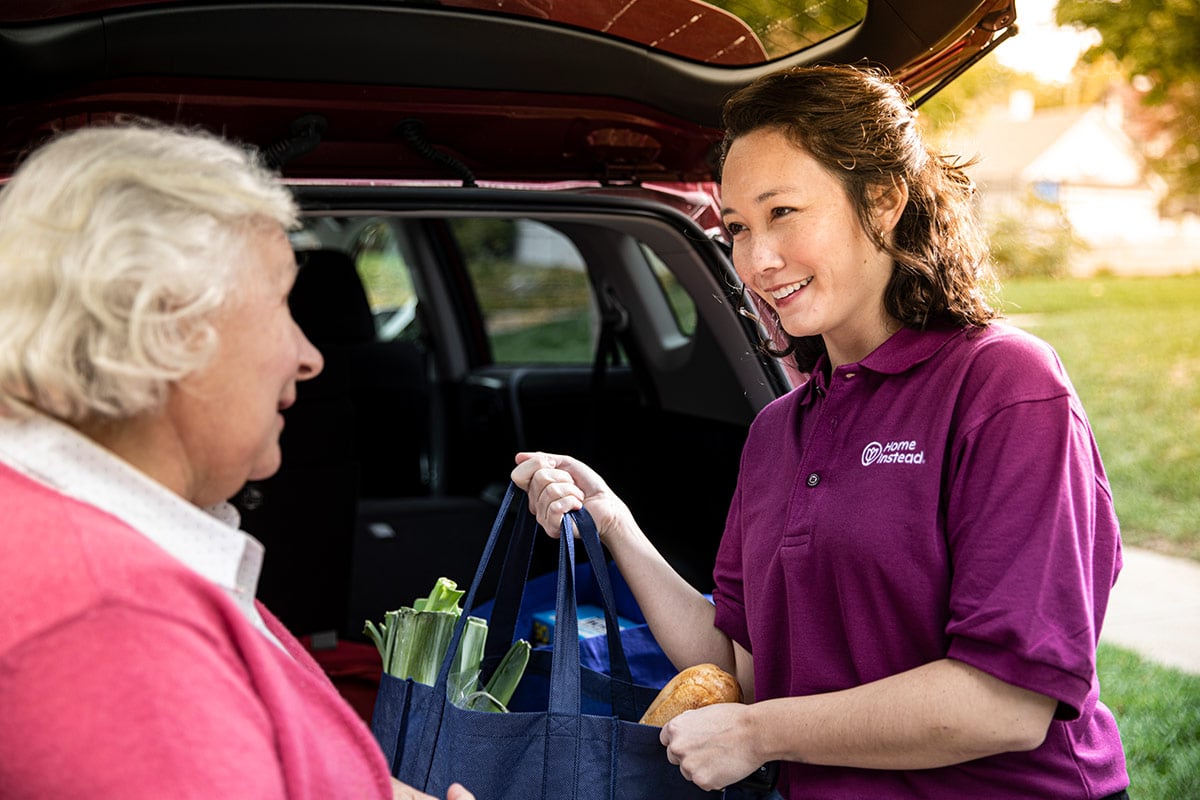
(784, 292)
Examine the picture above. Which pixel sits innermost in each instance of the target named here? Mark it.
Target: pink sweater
(125, 674)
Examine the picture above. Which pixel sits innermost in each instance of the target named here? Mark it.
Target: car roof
(526, 96)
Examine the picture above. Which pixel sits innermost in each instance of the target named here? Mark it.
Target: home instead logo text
(898, 452)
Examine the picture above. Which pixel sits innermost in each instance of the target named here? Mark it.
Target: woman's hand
(401, 791)
(712, 746)
(680, 618)
(558, 484)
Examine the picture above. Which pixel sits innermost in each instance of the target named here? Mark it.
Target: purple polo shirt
(942, 497)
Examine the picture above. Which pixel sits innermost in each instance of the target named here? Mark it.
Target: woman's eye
(783, 211)
(735, 228)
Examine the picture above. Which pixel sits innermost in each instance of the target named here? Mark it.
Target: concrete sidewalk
(1154, 609)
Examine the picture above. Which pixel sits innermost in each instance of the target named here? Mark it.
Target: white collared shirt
(206, 540)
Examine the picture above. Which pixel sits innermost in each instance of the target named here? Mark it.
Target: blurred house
(1078, 164)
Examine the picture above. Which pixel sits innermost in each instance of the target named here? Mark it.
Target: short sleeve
(1033, 545)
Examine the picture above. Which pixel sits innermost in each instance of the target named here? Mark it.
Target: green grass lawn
(565, 341)
(1132, 348)
(1158, 712)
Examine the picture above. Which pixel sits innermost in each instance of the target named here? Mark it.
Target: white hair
(116, 245)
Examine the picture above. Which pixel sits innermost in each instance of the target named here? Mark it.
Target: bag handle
(506, 607)
(510, 590)
(621, 683)
(564, 659)
(485, 560)
(437, 708)
(507, 602)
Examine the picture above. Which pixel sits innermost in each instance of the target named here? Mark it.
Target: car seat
(352, 522)
(305, 513)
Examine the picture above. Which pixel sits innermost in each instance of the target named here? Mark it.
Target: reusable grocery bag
(577, 740)
(648, 664)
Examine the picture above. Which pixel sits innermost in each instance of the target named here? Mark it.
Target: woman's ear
(887, 204)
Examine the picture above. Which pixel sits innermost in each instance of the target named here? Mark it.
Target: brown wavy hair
(857, 123)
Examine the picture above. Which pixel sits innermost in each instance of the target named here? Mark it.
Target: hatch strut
(303, 137)
(1008, 33)
(412, 131)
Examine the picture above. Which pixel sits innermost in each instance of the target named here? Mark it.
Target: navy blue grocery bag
(648, 664)
(574, 735)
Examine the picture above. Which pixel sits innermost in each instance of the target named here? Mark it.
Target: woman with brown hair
(920, 548)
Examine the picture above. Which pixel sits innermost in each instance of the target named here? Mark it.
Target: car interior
(618, 351)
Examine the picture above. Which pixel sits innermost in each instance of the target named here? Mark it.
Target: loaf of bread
(695, 687)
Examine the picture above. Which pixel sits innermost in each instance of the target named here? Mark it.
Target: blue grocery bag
(556, 746)
(648, 664)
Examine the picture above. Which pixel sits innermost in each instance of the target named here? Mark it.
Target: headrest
(328, 300)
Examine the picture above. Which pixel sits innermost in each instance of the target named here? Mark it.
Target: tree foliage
(1035, 241)
(1157, 41)
(783, 30)
(986, 84)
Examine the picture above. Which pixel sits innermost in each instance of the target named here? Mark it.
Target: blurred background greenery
(1132, 348)
(1130, 341)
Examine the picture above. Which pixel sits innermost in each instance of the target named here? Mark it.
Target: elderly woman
(146, 354)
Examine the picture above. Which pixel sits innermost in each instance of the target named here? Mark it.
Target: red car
(509, 243)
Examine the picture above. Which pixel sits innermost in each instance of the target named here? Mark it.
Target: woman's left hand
(713, 746)
(402, 791)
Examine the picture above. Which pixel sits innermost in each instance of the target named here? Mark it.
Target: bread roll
(695, 687)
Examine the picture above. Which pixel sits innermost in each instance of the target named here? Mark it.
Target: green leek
(412, 643)
(465, 673)
(503, 683)
(444, 597)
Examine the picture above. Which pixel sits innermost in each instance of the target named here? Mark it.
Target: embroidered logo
(897, 452)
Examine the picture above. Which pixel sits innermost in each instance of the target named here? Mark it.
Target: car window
(784, 28)
(533, 291)
(727, 32)
(387, 280)
(680, 302)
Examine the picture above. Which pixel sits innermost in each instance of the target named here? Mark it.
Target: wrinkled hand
(712, 746)
(559, 484)
(402, 791)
